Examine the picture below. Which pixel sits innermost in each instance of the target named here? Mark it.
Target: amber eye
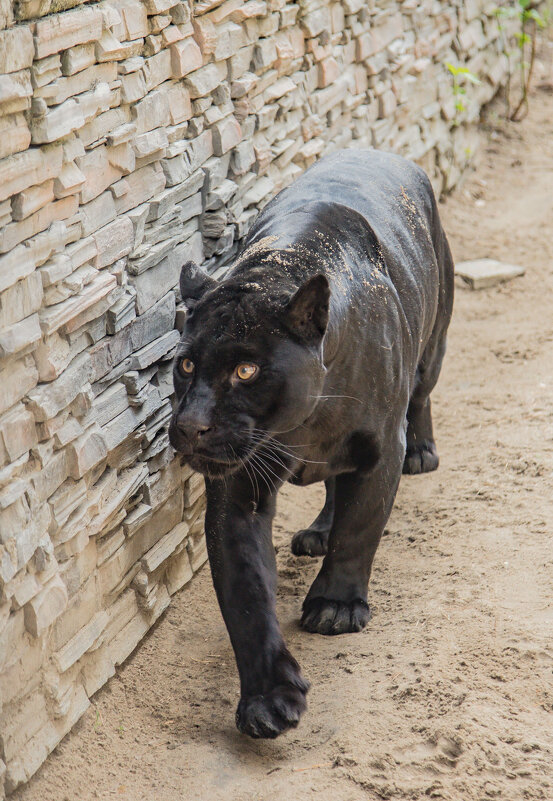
(187, 366)
(245, 371)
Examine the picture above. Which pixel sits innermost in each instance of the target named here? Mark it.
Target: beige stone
(58, 122)
(16, 49)
(52, 356)
(95, 102)
(280, 88)
(158, 6)
(483, 273)
(249, 10)
(81, 642)
(16, 232)
(5, 213)
(164, 548)
(44, 608)
(151, 142)
(21, 720)
(17, 429)
(205, 80)
(157, 69)
(133, 87)
(15, 86)
(32, 199)
(180, 106)
(98, 172)
(101, 126)
(62, 31)
(205, 34)
(14, 266)
(78, 58)
(186, 57)
(16, 379)
(37, 749)
(134, 20)
(122, 158)
(226, 135)
(45, 71)
(21, 300)
(86, 80)
(328, 71)
(171, 35)
(138, 187)
(6, 19)
(86, 452)
(15, 135)
(91, 302)
(113, 241)
(152, 111)
(49, 399)
(69, 181)
(97, 213)
(179, 571)
(108, 48)
(20, 336)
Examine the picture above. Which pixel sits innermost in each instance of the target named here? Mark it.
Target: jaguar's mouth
(210, 465)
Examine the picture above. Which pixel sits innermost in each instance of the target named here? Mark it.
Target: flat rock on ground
(483, 273)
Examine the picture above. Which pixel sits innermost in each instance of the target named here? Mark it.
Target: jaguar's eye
(246, 371)
(187, 366)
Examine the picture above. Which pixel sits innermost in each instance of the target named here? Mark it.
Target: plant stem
(523, 104)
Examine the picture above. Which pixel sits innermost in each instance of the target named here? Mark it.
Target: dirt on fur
(448, 693)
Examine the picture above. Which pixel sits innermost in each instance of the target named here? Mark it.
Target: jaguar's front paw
(310, 542)
(325, 616)
(421, 458)
(272, 713)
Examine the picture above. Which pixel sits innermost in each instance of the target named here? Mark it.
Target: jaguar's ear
(194, 281)
(306, 313)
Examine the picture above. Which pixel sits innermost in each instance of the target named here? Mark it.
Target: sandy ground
(448, 693)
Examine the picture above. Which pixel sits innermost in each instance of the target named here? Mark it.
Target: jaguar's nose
(192, 430)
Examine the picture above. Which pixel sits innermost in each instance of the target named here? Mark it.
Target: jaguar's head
(249, 364)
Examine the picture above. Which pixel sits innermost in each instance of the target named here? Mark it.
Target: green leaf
(522, 39)
(536, 16)
(505, 12)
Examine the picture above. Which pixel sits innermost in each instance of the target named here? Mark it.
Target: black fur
(342, 296)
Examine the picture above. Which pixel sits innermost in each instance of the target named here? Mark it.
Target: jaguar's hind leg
(313, 541)
(421, 455)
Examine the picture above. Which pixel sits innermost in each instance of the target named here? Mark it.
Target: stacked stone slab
(136, 135)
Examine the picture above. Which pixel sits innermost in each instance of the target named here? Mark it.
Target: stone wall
(135, 135)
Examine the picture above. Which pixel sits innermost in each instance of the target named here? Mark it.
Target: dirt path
(449, 691)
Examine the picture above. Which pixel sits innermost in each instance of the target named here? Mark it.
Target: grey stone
(155, 282)
(135, 381)
(483, 273)
(49, 399)
(156, 350)
(21, 336)
(121, 313)
(154, 322)
(163, 202)
(110, 403)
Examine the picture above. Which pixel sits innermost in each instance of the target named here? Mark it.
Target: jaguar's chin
(210, 466)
